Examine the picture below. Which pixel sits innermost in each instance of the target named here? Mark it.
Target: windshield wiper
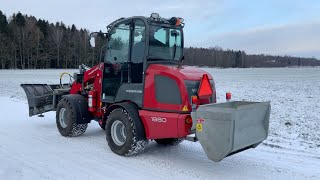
(174, 47)
(174, 50)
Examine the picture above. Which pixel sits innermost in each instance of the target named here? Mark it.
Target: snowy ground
(32, 148)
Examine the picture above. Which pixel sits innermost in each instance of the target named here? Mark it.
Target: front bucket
(40, 98)
(228, 128)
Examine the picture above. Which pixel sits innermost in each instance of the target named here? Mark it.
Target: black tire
(169, 141)
(130, 144)
(69, 127)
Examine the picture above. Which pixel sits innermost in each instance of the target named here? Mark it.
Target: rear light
(228, 96)
(188, 120)
(194, 99)
(188, 124)
(205, 88)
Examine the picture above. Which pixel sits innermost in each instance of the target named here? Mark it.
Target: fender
(80, 104)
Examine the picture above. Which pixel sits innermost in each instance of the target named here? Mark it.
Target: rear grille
(192, 87)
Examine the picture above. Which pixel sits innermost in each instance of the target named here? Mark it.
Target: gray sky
(284, 27)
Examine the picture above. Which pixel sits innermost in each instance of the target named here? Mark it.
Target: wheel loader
(141, 91)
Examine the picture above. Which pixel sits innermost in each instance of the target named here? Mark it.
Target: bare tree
(56, 33)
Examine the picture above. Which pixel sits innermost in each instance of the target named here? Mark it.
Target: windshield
(165, 43)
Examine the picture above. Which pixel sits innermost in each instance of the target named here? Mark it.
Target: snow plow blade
(227, 128)
(40, 97)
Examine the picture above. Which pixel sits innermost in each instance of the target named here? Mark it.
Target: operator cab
(132, 44)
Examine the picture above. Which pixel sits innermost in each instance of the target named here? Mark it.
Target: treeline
(30, 43)
(27, 42)
(217, 57)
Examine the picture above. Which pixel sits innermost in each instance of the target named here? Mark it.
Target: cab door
(116, 60)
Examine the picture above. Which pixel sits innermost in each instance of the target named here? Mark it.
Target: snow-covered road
(32, 148)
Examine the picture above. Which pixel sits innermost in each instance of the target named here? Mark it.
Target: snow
(32, 148)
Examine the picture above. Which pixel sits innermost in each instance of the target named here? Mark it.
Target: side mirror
(92, 42)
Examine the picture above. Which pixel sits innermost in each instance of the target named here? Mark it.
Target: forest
(30, 43)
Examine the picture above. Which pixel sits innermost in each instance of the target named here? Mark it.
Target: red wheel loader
(141, 91)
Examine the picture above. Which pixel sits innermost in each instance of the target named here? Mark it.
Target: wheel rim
(63, 117)
(118, 133)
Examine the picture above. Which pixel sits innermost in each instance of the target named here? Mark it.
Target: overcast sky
(284, 27)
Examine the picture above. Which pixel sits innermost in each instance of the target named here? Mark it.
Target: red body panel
(175, 125)
(159, 125)
(183, 128)
(173, 72)
(160, 120)
(75, 88)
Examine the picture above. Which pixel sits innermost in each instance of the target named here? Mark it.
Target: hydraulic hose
(62, 74)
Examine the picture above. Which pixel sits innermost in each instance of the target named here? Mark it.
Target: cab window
(118, 46)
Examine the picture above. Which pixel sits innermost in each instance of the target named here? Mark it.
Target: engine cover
(166, 90)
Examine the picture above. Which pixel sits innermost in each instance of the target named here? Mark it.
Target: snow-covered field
(32, 148)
